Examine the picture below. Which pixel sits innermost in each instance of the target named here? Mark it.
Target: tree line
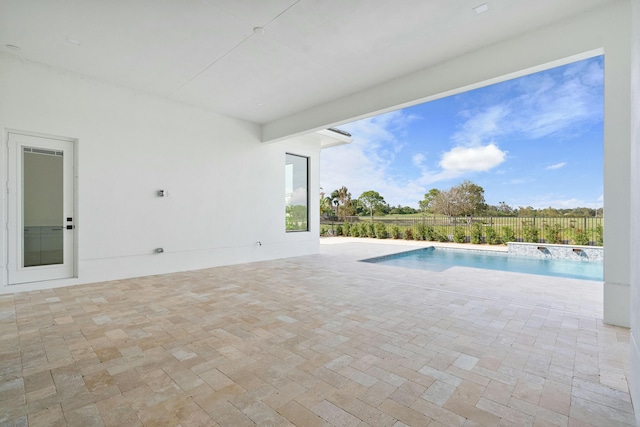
(341, 204)
(465, 199)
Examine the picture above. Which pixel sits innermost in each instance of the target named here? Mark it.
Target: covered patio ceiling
(263, 61)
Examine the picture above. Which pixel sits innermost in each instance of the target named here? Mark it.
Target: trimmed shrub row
(478, 233)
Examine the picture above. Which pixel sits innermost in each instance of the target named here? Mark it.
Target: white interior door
(41, 201)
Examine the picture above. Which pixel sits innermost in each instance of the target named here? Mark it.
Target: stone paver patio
(320, 340)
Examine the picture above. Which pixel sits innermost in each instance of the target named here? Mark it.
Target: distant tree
(465, 199)
(428, 203)
(355, 208)
(526, 211)
(505, 209)
(469, 198)
(396, 210)
(582, 212)
(442, 204)
(371, 200)
(500, 210)
(548, 212)
(342, 199)
(402, 210)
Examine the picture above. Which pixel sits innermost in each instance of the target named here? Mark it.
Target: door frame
(7, 200)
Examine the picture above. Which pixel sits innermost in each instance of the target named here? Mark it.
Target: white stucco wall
(634, 382)
(226, 188)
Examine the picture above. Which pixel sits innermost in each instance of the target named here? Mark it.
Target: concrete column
(634, 378)
(617, 180)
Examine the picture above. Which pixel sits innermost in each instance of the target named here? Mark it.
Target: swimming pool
(440, 259)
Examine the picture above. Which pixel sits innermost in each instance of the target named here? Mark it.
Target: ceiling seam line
(169, 95)
(209, 66)
(282, 13)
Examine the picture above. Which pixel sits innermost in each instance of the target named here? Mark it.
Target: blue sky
(532, 141)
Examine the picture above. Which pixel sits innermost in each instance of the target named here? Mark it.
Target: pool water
(440, 259)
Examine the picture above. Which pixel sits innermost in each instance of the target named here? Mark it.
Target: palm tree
(335, 200)
(325, 204)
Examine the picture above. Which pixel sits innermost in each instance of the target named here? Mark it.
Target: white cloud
(561, 105)
(365, 164)
(481, 126)
(418, 159)
(546, 105)
(472, 159)
(557, 166)
(460, 161)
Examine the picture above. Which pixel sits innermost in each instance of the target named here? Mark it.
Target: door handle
(70, 227)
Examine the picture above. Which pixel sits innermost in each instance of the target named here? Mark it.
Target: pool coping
(526, 291)
(503, 254)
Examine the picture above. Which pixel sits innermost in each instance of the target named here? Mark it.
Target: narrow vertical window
(296, 194)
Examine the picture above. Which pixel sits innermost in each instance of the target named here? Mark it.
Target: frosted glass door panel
(42, 207)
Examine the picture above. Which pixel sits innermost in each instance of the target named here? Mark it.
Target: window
(296, 194)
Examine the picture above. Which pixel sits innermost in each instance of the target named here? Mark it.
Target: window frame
(307, 164)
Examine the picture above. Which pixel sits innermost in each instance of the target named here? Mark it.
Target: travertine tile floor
(319, 340)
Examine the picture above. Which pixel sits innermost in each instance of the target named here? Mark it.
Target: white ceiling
(206, 53)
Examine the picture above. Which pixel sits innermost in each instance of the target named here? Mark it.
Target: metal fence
(563, 230)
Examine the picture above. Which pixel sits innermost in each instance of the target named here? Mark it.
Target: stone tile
(556, 397)
(508, 415)
(84, 417)
(438, 393)
(498, 392)
(404, 414)
(157, 415)
(407, 393)
(225, 414)
(437, 414)
(300, 415)
(386, 376)
(471, 413)
(464, 361)
(191, 414)
(369, 415)
(50, 417)
(284, 395)
(377, 393)
(358, 376)
(314, 341)
(334, 415)
(527, 391)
